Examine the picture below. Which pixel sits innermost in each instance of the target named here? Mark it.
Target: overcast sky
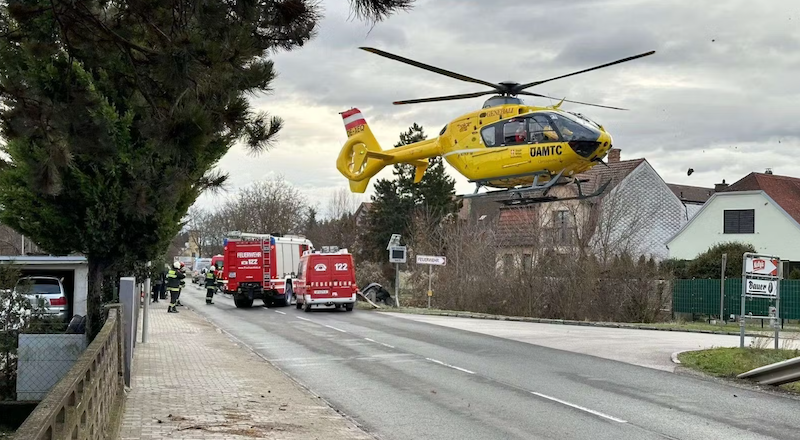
(721, 95)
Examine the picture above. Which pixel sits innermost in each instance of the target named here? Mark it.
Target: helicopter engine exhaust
(362, 158)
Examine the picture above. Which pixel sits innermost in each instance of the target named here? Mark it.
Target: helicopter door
(542, 130)
(515, 132)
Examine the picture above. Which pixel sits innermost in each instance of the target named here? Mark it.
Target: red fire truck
(261, 266)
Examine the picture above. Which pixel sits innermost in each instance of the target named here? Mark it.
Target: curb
(674, 356)
(572, 322)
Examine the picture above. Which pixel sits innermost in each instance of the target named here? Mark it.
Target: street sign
(432, 260)
(762, 287)
(766, 266)
(397, 254)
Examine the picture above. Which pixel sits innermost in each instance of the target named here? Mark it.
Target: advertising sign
(762, 266)
(762, 287)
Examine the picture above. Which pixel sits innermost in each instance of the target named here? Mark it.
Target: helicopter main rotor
(505, 88)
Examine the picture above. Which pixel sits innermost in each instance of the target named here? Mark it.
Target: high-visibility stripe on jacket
(174, 279)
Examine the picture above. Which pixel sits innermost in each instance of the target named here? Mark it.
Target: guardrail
(778, 373)
(83, 403)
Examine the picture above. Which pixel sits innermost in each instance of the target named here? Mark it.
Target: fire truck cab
(327, 279)
(261, 266)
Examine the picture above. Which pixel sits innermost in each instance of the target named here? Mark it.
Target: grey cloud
(739, 90)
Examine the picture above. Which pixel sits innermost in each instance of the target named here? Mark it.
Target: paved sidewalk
(192, 381)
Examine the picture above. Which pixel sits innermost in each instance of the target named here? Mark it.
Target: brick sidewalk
(192, 381)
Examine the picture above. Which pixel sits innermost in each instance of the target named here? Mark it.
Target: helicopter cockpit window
(515, 132)
(488, 134)
(541, 130)
(572, 130)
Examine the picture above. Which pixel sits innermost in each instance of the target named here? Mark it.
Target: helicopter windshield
(573, 129)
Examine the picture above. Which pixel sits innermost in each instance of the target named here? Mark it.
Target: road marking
(304, 319)
(450, 366)
(590, 411)
(385, 345)
(337, 329)
(278, 311)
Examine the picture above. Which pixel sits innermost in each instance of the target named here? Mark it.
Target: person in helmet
(183, 284)
(211, 285)
(174, 281)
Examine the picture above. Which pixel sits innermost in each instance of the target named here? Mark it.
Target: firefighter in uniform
(211, 285)
(183, 284)
(174, 280)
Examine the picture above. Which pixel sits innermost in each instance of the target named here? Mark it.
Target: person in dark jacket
(174, 281)
(211, 285)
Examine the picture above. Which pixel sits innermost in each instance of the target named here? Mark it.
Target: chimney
(768, 171)
(718, 187)
(613, 155)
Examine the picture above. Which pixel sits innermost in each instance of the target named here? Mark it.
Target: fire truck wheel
(348, 307)
(243, 303)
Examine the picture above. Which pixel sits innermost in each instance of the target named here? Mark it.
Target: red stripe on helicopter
(354, 121)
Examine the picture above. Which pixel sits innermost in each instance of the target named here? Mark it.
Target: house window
(527, 261)
(562, 234)
(739, 221)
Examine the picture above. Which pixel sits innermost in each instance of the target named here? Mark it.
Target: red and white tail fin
(354, 121)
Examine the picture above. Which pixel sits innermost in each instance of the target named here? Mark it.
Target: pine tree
(396, 201)
(115, 113)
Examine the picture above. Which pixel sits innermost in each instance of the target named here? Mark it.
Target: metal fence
(702, 297)
(84, 403)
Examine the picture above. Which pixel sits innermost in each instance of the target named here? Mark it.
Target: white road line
(304, 319)
(278, 311)
(385, 345)
(590, 411)
(337, 329)
(450, 366)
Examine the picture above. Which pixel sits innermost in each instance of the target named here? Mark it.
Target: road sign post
(431, 260)
(722, 290)
(761, 278)
(397, 255)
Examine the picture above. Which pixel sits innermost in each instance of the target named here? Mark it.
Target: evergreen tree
(396, 201)
(115, 112)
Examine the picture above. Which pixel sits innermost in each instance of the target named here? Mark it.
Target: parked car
(46, 295)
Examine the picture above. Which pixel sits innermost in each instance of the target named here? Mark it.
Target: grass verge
(730, 362)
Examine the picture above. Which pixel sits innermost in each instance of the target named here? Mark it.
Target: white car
(45, 294)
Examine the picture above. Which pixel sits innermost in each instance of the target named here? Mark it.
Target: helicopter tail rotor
(362, 158)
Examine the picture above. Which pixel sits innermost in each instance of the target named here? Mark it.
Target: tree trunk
(94, 300)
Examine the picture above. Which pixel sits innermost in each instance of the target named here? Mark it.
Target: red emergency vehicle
(261, 266)
(326, 279)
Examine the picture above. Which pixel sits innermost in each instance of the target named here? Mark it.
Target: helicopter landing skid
(521, 200)
(535, 186)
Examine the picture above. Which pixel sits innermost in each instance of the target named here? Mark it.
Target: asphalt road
(403, 379)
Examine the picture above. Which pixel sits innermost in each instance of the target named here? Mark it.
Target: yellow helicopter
(523, 150)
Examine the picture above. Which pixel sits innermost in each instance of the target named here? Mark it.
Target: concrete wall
(775, 232)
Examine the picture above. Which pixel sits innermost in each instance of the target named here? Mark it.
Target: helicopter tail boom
(362, 158)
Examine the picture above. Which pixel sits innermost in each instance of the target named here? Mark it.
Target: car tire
(288, 293)
(348, 307)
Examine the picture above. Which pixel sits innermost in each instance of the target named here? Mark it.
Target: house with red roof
(762, 209)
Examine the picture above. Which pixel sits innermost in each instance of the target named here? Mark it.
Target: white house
(760, 209)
